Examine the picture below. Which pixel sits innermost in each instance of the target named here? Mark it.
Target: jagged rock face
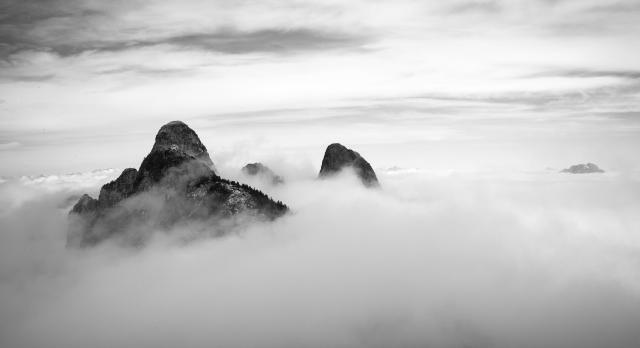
(175, 184)
(337, 157)
(259, 169)
(119, 189)
(583, 169)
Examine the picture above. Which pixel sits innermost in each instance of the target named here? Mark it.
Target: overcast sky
(86, 84)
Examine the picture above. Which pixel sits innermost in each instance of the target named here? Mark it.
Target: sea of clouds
(430, 260)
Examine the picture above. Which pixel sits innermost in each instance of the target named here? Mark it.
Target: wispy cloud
(590, 73)
(9, 145)
(620, 7)
(8, 78)
(70, 28)
(224, 41)
(486, 6)
(99, 64)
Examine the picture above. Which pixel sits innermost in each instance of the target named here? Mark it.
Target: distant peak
(259, 169)
(585, 168)
(254, 168)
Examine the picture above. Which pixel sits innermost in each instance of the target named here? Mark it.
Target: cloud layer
(447, 261)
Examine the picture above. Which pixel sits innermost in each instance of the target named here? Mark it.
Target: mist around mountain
(176, 183)
(431, 259)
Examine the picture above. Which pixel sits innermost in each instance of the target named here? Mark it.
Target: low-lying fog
(431, 260)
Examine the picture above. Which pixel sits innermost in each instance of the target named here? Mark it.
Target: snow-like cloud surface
(540, 259)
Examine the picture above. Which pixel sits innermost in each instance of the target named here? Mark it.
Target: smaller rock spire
(259, 169)
(337, 157)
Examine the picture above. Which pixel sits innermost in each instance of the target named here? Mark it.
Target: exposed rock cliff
(175, 184)
(337, 157)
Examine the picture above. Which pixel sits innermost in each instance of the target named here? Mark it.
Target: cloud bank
(539, 260)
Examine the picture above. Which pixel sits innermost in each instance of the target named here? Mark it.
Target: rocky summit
(175, 184)
(337, 157)
(586, 168)
(259, 169)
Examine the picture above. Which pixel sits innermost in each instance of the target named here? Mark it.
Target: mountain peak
(338, 156)
(176, 146)
(175, 183)
(177, 136)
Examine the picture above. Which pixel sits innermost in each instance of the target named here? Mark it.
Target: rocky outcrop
(586, 168)
(86, 204)
(337, 157)
(119, 189)
(259, 169)
(175, 184)
(177, 151)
